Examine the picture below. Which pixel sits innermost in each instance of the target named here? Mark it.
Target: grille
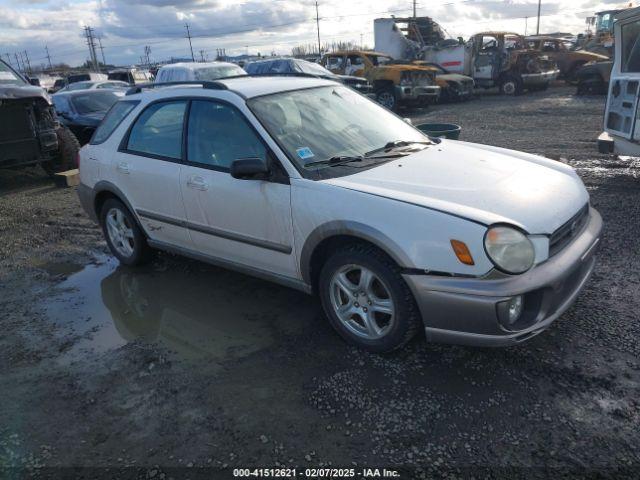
(563, 235)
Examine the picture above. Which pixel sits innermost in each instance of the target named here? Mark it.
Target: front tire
(511, 85)
(68, 148)
(387, 98)
(124, 237)
(366, 299)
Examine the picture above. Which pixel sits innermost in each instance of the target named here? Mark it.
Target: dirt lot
(185, 370)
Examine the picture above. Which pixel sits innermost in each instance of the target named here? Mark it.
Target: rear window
(114, 117)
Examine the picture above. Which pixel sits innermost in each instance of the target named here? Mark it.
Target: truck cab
(503, 60)
(621, 127)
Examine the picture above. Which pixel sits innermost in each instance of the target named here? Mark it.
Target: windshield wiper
(337, 160)
(396, 144)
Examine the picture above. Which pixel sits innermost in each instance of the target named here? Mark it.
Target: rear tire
(67, 157)
(122, 233)
(366, 299)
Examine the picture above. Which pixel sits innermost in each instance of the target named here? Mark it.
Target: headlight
(509, 249)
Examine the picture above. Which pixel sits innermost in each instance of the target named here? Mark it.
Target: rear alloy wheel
(366, 299)
(124, 237)
(387, 98)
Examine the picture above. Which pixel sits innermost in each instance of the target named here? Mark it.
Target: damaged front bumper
(409, 92)
(529, 79)
(470, 311)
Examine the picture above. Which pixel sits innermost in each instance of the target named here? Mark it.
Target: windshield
(314, 69)
(213, 73)
(322, 123)
(79, 86)
(91, 102)
(8, 76)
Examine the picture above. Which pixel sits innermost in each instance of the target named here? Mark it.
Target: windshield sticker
(305, 153)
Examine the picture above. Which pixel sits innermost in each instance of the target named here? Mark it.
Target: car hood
(9, 92)
(478, 182)
(454, 77)
(352, 79)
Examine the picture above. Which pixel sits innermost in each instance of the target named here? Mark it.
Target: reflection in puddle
(191, 309)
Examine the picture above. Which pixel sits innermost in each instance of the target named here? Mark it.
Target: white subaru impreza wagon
(307, 183)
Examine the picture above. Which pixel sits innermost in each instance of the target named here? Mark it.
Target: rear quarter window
(114, 117)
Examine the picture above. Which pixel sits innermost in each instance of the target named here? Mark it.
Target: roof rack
(205, 84)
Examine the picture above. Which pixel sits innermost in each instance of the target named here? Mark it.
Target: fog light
(514, 309)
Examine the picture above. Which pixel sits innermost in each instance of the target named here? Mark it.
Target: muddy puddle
(192, 310)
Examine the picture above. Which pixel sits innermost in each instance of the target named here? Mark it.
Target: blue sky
(126, 26)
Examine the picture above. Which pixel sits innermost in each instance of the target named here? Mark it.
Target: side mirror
(249, 169)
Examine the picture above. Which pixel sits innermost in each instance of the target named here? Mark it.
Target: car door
(487, 60)
(247, 222)
(146, 168)
(622, 113)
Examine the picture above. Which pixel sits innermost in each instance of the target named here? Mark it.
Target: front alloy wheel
(362, 302)
(387, 99)
(366, 299)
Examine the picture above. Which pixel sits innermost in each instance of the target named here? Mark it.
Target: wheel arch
(105, 190)
(333, 234)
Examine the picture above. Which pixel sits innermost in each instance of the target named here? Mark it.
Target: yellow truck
(394, 84)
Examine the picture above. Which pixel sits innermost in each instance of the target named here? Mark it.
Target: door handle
(123, 167)
(198, 183)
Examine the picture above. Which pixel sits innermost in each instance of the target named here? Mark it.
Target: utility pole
(8, 58)
(28, 62)
(24, 65)
(104, 62)
(46, 48)
(318, 28)
(147, 52)
(17, 61)
(92, 47)
(414, 8)
(189, 37)
(526, 22)
(538, 27)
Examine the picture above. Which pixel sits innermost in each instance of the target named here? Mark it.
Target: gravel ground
(184, 370)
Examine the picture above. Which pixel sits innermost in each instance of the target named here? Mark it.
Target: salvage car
(561, 52)
(393, 84)
(593, 78)
(92, 85)
(453, 86)
(132, 76)
(191, 71)
(296, 65)
(82, 111)
(305, 182)
(31, 133)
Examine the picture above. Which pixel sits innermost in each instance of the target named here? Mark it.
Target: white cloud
(253, 25)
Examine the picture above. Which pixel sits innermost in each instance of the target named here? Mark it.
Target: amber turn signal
(462, 252)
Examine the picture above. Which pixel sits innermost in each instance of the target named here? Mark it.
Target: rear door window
(114, 117)
(158, 131)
